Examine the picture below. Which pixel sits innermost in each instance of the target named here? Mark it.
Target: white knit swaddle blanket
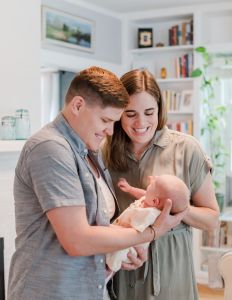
(138, 218)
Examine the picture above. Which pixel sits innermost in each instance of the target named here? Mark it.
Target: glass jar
(22, 124)
(8, 128)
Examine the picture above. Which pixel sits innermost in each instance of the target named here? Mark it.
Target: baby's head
(168, 187)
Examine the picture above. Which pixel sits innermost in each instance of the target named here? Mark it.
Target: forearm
(136, 192)
(202, 217)
(78, 238)
(102, 239)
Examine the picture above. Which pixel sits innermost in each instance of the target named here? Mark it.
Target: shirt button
(105, 211)
(101, 260)
(99, 286)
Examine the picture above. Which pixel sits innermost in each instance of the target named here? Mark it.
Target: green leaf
(200, 49)
(196, 73)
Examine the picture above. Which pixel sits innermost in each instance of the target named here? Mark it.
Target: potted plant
(213, 122)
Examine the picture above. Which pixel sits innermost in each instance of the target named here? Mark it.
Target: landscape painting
(66, 30)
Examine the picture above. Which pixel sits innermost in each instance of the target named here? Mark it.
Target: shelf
(162, 49)
(174, 80)
(216, 249)
(202, 277)
(11, 146)
(226, 216)
(180, 113)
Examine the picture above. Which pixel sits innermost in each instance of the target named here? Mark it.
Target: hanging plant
(214, 117)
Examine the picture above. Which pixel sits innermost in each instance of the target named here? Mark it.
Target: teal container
(22, 124)
(8, 128)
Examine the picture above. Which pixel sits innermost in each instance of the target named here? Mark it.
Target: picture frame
(186, 102)
(66, 30)
(145, 37)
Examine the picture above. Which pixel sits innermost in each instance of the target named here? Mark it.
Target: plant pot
(220, 200)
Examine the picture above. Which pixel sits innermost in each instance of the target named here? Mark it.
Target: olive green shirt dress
(169, 273)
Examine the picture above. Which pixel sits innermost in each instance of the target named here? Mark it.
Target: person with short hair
(64, 199)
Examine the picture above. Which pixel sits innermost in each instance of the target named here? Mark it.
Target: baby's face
(153, 197)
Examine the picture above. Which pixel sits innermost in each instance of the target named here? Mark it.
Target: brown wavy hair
(116, 147)
(98, 86)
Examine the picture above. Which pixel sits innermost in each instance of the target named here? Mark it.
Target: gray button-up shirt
(52, 172)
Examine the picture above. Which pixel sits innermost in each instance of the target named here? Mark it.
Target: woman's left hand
(136, 261)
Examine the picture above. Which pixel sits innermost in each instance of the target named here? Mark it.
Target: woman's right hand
(165, 221)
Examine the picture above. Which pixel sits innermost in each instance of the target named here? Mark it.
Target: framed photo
(186, 102)
(67, 30)
(145, 37)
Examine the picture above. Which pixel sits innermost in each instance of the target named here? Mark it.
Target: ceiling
(125, 6)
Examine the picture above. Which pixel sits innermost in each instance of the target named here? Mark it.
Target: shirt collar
(161, 138)
(70, 135)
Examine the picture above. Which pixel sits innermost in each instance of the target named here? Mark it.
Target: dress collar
(161, 138)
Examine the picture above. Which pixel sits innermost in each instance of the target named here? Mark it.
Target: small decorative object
(186, 101)
(163, 73)
(22, 124)
(145, 38)
(159, 45)
(8, 128)
(67, 30)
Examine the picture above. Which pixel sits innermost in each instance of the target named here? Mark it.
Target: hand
(165, 221)
(136, 260)
(124, 185)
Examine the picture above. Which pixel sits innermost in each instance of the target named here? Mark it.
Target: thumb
(167, 207)
(181, 215)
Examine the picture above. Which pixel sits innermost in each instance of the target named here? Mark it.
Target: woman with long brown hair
(142, 146)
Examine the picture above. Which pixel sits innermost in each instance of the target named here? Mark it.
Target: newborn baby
(143, 212)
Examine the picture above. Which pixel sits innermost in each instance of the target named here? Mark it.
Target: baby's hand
(124, 185)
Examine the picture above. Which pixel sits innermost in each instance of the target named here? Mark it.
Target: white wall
(20, 58)
(19, 88)
(108, 33)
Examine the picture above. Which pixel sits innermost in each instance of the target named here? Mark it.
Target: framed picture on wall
(186, 102)
(145, 37)
(67, 30)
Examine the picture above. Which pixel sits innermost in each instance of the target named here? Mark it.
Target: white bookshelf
(155, 58)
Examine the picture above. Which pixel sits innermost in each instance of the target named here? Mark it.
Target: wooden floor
(210, 294)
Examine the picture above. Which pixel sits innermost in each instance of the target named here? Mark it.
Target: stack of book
(181, 34)
(184, 65)
(182, 126)
(172, 99)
